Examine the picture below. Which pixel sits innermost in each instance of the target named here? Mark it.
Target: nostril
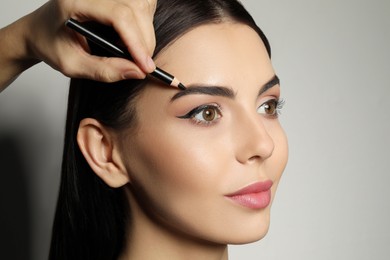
(254, 158)
(264, 150)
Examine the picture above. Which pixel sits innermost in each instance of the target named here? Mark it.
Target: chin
(250, 237)
(249, 231)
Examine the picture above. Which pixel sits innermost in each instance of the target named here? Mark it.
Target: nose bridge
(253, 139)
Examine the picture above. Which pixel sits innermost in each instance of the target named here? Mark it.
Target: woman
(153, 172)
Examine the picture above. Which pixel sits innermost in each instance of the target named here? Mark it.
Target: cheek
(175, 160)
(180, 178)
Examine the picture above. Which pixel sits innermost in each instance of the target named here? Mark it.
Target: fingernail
(132, 75)
(150, 64)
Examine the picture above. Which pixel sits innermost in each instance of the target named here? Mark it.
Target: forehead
(224, 53)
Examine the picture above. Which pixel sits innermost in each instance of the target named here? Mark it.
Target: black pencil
(118, 52)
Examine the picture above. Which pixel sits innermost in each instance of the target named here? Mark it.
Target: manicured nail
(150, 64)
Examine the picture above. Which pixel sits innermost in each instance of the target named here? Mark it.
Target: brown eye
(209, 114)
(269, 108)
(204, 115)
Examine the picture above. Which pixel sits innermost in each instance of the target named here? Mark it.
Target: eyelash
(275, 104)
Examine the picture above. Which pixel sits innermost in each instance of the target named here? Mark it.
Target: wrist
(14, 50)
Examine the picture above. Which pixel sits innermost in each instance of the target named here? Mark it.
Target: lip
(254, 196)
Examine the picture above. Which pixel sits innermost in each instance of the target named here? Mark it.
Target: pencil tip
(181, 86)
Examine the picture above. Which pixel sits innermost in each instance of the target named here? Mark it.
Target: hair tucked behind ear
(91, 218)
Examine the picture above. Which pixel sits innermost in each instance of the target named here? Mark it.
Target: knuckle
(103, 75)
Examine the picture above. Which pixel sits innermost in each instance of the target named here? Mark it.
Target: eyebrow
(271, 83)
(222, 91)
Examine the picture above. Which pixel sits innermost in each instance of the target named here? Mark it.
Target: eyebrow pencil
(118, 52)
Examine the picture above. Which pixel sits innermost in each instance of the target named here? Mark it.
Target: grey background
(333, 202)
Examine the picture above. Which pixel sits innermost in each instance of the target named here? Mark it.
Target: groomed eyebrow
(271, 83)
(222, 91)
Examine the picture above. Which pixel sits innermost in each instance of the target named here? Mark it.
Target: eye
(271, 107)
(206, 114)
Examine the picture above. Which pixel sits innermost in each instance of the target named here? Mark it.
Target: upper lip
(256, 187)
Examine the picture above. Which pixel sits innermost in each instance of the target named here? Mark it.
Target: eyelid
(271, 93)
(198, 109)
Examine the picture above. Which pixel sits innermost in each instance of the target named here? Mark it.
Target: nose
(253, 142)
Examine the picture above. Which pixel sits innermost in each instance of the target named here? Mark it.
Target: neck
(148, 239)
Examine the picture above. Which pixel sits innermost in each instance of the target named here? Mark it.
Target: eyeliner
(118, 52)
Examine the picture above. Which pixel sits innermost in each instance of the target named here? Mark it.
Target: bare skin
(42, 36)
(178, 170)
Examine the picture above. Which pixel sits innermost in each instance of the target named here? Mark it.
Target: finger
(145, 19)
(126, 23)
(76, 61)
(147, 29)
(79, 64)
(139, 45)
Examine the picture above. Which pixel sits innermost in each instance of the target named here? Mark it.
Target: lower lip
(258, 200)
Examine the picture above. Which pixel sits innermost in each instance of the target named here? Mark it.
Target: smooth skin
(42, 36)
(177, 171)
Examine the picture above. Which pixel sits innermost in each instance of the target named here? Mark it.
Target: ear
(99, 148)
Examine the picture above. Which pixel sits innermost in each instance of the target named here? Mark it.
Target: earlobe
(98, 146)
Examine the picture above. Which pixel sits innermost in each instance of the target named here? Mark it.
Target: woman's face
(194, 150)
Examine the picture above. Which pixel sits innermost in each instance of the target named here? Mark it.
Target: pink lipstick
(254, 196)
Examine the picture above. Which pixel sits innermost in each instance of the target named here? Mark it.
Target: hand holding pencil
(42, 36)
